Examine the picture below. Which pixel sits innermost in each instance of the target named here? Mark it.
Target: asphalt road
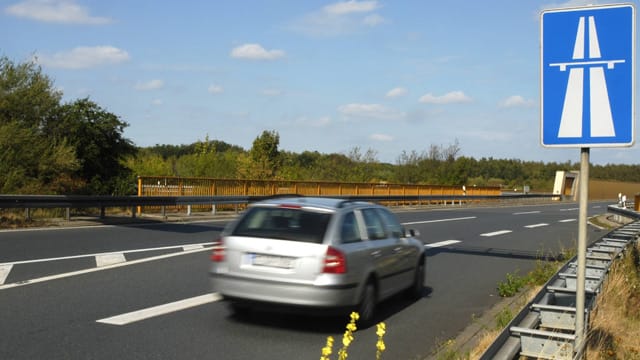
(142, 291)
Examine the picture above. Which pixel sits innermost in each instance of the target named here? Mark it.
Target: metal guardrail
(545, 328)
(102, 202)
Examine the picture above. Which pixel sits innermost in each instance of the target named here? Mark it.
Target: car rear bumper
(284, 293)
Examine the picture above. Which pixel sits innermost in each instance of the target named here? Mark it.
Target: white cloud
(381, 137)
(157, 102)
(352, 6)
(453, 97)
(372, 111)
(215, 89)
(56, 11)
(396, 92)
(149, 85)
(516, 101)
(255, 52)
(83, 57)
(339, 18)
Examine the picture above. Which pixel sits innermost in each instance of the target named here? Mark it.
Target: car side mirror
(411, 233)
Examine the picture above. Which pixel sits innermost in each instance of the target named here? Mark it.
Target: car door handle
(376, 254)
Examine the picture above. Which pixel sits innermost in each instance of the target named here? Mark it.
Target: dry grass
(13, 220)
(615, 323)
(489, 335)
(485, 340)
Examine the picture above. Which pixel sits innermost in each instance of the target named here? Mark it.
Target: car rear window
(283, 223)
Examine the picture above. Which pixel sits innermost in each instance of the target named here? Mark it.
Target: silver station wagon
(317, 253)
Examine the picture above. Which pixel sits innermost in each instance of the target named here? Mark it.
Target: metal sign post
(587, 92)
(583, 197)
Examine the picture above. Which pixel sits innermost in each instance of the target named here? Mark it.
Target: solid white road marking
(192, 247)
(440, 220)
(527, 212)
(442, 243)
(99, 254)
(536, 225)
(87, 271)
(567, 220)
(570, 209)
(109, 259)
(496, 233)
(4, 272)
(164, 309)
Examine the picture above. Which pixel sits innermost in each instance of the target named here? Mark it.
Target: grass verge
(614, 325)
(615, 322)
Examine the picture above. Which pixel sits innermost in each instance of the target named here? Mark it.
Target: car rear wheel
(368, 303)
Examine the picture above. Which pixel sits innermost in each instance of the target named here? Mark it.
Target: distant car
(319, 253)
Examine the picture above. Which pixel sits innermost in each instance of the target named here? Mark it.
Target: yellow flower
(326, 351)
(351, 327)
(380, 347)
(347, 338)
(355, 316)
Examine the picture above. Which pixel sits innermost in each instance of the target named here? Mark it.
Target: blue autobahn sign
(587, 88)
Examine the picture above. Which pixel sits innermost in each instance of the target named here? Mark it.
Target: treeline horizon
(80, 148)
(438, 165)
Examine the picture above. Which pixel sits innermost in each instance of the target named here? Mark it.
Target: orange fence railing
(182, 186)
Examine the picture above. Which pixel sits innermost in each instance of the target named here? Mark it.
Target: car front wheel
(415, 291)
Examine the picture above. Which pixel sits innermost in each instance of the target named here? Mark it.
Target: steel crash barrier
(136, 203)
(545, 328)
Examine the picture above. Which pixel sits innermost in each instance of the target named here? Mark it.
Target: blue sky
(327, 76)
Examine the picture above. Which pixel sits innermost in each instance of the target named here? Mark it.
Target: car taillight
(334, 262)
(218, 253)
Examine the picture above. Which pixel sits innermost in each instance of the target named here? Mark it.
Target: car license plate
(272, 261)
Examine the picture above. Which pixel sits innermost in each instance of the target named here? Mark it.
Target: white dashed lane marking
(442, 243)
(533, 226)
(164, 309)
(496, 233)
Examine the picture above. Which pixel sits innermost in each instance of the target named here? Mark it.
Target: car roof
(324, 203)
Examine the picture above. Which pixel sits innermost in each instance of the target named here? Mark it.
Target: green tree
(31, 165)
(407, 166)
(264, 156)
(363, 165)
(30, 161)
(27, 96)
(148, 163)
(97, 137)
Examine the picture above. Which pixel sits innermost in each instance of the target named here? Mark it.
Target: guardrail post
(213, 209)
(133, 212)
(188, 210)
(27, 214)
(102, 212)
(67, 215)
